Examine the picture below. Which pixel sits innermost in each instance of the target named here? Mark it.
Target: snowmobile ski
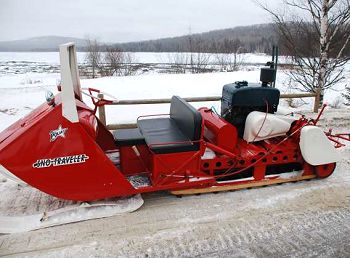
(70, 214)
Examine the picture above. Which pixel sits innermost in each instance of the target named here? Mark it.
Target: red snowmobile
(62, 149)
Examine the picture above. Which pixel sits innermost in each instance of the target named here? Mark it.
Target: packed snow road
(304, 219)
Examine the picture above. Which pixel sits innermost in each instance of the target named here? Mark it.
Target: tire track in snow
(249, 237)
(215, 239)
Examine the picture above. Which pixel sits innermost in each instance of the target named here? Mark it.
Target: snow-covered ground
(306, 219)
(20, 93)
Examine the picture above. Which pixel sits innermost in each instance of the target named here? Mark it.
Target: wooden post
(102, 111)
(317, 100)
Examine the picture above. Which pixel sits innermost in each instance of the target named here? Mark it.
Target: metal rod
(320, 114)
(275, 64)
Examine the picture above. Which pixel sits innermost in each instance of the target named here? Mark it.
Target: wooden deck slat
(241, 186)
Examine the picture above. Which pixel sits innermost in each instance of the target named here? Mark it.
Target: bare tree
(129, 68)
(199, 56)
(315, 34)
(93, 56)
(179, 61)
(114, 59)
(229, 55)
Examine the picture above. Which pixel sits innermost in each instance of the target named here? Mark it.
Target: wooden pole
(121, 126)
(162, 101)
(297, 95)
(102, 111)
(317, 100)
(198, 99)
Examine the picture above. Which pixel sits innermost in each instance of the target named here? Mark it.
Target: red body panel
(219, 131)
(29, 141)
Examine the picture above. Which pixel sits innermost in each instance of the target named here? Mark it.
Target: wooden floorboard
(241, 186)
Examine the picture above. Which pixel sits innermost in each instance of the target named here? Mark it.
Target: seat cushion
(162, 135)
(128, 137)
(187, 118)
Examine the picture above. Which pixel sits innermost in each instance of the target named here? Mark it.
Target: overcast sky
(123, 20)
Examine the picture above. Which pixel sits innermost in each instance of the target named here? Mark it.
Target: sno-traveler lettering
(61, 161)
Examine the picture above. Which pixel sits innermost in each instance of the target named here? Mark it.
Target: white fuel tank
(274, 125)
(316, 148)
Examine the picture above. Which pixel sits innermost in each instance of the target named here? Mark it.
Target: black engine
(241, 98)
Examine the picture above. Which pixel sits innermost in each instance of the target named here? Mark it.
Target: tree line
(314, 34)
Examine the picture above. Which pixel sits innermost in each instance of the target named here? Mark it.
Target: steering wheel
(96, 100)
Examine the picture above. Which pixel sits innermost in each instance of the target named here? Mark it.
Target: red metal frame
(337, 137)
(99, 102)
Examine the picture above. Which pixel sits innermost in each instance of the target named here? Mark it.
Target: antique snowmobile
(62, 149)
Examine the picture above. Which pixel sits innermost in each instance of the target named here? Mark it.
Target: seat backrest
(187, 118)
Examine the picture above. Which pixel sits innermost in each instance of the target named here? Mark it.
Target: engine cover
(260, 126)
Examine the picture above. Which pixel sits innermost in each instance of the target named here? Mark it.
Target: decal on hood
(61, 161)
(60, 132)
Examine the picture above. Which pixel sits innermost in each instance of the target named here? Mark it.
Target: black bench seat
(128, 137)
(163, 136)
(178, 133)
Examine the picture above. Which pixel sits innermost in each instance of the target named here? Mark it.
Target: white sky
(124, 20)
